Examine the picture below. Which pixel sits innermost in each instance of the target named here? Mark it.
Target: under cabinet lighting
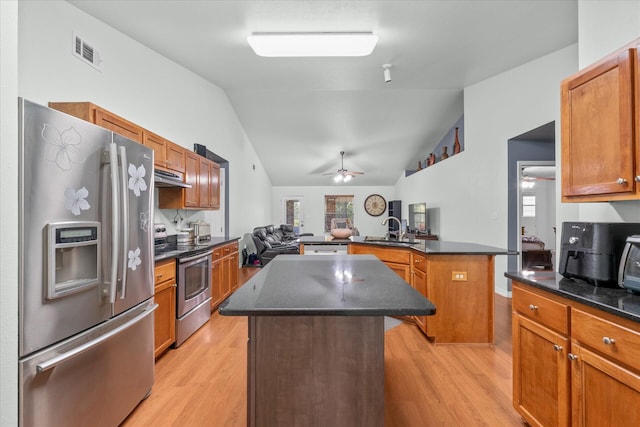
(312, 44)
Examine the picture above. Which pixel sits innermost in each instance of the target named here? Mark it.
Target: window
(528, 206)
(337, 207)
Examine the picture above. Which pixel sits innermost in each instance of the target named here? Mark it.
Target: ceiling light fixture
(312, 44)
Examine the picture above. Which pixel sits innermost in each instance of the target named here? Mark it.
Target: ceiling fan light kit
(313, 44)
(343, 175)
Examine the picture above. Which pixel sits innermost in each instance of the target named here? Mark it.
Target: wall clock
(375, 205)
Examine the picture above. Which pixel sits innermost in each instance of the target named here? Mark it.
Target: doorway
(536, 215)
(536, 146)
(292, 212)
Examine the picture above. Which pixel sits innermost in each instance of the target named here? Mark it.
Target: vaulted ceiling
(299, 113)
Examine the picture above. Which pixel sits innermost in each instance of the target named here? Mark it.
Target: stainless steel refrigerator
(86, 271)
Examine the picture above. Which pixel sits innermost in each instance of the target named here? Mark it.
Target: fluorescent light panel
(312, 44)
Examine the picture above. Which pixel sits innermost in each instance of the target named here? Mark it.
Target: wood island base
(316, 371)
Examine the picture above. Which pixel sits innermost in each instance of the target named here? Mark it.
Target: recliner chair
(268, 246)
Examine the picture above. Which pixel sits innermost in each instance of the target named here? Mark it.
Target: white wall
(314, 207)
(471, 188)
(604, 27)
(8, 213)
(145, 88)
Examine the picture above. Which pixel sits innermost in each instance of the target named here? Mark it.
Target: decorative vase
(456, 143)
(445, 155)
(419, 164)
(431, 160)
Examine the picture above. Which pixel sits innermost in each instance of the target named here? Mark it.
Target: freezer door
(62, 169)
(95, 379)
(135, 263)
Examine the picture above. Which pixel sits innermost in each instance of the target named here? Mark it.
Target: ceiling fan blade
(354, 173)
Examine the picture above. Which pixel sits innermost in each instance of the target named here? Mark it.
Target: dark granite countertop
(181, 250)
(429, 247)
(616, 301)
(326, 285)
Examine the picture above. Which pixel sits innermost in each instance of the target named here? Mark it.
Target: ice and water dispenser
(73, 257)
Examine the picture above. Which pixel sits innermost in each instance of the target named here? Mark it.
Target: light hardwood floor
(203, 382)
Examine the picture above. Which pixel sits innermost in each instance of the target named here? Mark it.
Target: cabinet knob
(572, 357)
(159, 275)
(621, 181)
(533, 307)
(608, 341)
(557, 347)
(637, 178)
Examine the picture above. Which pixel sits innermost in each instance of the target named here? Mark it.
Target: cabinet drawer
(612, 340)
(399, 256)
(229, 248)
(217, 253)
(165, 270)
(550, 313)
(419, 262)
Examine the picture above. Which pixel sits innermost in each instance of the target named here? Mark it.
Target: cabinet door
(233, 271)
(540, 373)
(226, 276)
(214, 186)
(175, 156)
(217, 294)
(192, 168)
(159, 146)
(420, 284)
(164, 316)
(204, 183)
(402, 270)
(118, 125)
(597, 131)
(603, 393)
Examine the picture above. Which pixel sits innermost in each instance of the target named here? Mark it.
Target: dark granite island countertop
(316, 338)
(428, 247)
(326, 285)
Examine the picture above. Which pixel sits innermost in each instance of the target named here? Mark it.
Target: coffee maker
(591, 251)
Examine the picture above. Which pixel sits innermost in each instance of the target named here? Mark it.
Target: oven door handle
(191, 258)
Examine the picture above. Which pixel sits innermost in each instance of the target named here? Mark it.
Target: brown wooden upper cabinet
(101, 117)
(600, 149)
(202, 173)
(167, 155)
(204, 177)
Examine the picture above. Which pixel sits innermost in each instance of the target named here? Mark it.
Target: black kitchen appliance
(591, 251)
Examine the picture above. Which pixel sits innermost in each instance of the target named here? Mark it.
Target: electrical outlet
(459, 276)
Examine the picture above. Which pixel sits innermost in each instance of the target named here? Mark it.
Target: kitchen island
(458, 277)
(316, 338)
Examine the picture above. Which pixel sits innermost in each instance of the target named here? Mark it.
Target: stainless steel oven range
(193, 297)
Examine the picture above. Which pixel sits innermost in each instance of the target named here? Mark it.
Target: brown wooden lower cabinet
(464, 306)
(573, 364)
(165, 297)
(224, 269)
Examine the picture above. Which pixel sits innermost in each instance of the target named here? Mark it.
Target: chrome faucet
(400, 232)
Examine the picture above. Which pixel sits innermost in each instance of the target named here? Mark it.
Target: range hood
(165, 179)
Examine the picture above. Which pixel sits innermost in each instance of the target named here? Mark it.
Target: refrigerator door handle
(125, 219)
(115, 221)
(55, 361)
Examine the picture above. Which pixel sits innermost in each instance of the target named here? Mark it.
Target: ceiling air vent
(86, 52)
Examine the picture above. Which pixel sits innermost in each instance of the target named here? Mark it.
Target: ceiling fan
(343, 175)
